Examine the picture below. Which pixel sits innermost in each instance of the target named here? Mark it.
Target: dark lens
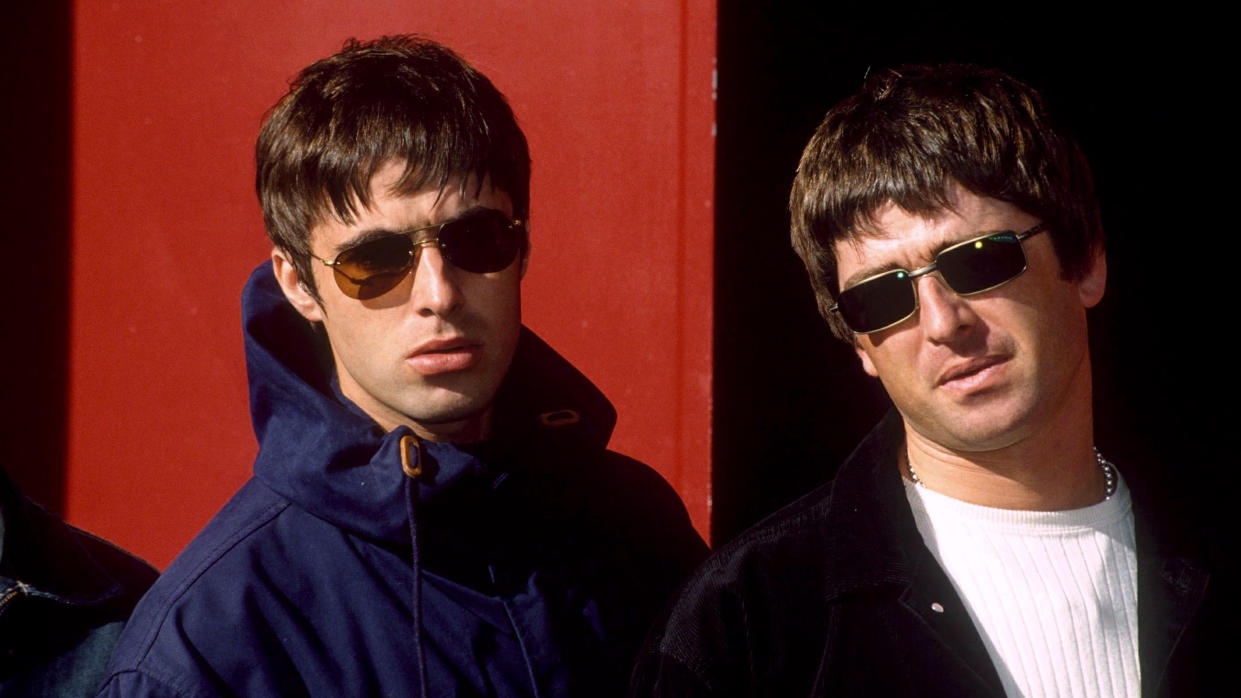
(877, 303)
(983, 263)
(481, 241)
(374, 268)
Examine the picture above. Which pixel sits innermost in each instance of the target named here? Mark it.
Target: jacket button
(937, 607)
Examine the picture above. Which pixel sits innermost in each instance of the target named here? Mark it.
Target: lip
(971, 374)
(445, 355)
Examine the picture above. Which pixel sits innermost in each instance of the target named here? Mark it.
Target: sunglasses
(969, 267)
(480, 241)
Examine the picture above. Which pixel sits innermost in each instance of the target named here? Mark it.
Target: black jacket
(836, 595)
(64, 595)
(528, 565)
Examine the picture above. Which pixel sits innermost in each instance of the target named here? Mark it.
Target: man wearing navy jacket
(433, 509)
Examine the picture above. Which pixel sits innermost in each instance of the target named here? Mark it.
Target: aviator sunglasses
(973, 266)
(481, 240)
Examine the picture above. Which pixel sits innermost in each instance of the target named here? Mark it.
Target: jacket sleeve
(131, 684)
(699, 646)
(661, 676)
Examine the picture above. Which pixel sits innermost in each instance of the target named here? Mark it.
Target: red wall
(616, 100)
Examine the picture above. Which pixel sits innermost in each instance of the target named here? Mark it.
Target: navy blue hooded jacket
(542, 556)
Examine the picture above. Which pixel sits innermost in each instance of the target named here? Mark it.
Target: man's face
(982, 372)
(430, 353)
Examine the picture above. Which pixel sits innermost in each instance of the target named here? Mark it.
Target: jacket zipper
(9, 595)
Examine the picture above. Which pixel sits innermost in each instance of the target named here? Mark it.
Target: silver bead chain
(1109, 473)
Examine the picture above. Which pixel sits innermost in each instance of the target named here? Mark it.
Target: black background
(34, 215)
(1150, 99)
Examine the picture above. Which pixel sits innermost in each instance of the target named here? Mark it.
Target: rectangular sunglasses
(973, 266)
(481, 240)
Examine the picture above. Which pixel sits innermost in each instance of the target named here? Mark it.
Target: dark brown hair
(912, 132)
(397, 98)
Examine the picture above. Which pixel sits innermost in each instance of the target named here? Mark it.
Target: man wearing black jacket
(976, 543)
(64, 597)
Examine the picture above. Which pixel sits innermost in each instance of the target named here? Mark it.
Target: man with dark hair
(976, 543)
(433, 509)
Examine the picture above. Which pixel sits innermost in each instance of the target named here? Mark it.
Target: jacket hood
(319, 450)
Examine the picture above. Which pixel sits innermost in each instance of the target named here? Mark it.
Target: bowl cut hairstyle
(908, 136)
(397, 98)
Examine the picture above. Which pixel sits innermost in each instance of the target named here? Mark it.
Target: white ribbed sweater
(1053, 593)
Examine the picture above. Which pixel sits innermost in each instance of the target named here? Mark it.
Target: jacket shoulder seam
(171, 684)
(796, 516)
(257, 521)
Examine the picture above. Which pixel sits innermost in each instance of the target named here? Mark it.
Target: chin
(972, 429)
(440, 410)
(445, 407)
(989, 432)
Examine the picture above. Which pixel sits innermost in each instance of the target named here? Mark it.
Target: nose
(943, 314)
(436, 291)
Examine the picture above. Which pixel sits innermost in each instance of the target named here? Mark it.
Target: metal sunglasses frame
(934, 266)
(416, 242)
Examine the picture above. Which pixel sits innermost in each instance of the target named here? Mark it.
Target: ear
(291, 283)
(862, 353)
(525, 260)
(1090, 287)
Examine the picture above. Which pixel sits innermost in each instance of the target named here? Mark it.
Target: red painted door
(616, 100)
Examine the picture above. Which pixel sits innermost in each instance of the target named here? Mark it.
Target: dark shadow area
(35, 149)
(1145, 96)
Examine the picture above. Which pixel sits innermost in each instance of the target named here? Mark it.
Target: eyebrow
(370, 234)
(864, 274)
(868, 272)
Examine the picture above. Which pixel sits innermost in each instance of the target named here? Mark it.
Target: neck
(470, 430)
(1052, 467)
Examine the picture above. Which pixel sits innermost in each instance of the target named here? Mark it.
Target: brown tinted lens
(374, 268)
(481, 241)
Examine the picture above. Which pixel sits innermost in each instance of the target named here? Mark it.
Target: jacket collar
(1173, 563)
(323, 453)
(872, 529)
(868, 518)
